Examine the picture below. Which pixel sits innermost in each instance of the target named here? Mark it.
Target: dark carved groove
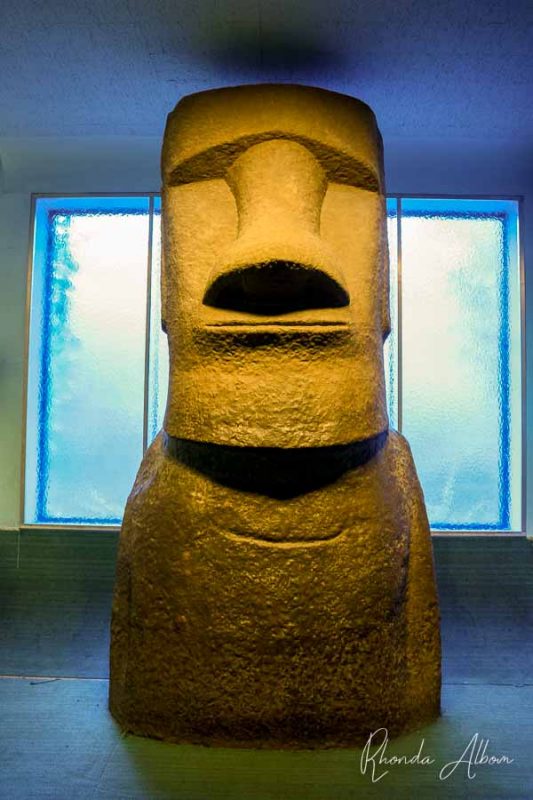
(271, 471)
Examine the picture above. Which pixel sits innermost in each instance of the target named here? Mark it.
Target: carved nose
(278, 262)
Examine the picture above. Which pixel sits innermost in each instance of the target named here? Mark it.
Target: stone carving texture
(275, 582)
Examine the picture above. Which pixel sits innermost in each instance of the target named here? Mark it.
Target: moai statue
(275, 582)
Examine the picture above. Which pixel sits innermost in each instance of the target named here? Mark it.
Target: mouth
(276, 293)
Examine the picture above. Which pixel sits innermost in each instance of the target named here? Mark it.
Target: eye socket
(274, 288)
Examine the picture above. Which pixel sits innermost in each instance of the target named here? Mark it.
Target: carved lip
(277, 323)
(308, 320)
(271, 333)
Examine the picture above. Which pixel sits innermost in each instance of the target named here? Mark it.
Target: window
(94, 398)
(97, 367)
(455, 356)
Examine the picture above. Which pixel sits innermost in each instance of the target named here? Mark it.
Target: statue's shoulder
(403, 468)
(152, 463)
(400, 459)
(398, 447)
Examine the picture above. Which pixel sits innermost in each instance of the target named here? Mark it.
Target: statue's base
(278, 741)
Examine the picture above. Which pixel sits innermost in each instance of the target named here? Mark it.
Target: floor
(58, 741)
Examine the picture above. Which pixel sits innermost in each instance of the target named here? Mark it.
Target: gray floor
(58, 741)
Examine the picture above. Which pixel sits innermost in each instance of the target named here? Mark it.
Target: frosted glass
(89, 355)
(158, 376)
(460, 359)
(390, 352)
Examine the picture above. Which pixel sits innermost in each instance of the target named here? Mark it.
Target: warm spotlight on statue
(275, 582)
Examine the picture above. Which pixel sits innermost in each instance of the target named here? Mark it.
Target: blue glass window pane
(86, 358)
(390, 354)
(461, 359)
(158, 360)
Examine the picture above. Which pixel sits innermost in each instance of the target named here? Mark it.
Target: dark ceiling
(454, 68)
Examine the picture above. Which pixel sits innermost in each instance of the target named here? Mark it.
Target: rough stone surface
(275, 580)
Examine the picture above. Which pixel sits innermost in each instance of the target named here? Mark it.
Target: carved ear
(163, 282)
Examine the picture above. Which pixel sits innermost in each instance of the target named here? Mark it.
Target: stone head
(275, 268)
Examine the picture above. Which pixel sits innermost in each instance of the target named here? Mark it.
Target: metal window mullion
(148, 322)
(399, 331)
